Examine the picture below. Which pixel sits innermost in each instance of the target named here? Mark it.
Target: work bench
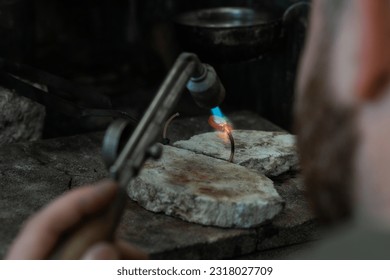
(34, 173)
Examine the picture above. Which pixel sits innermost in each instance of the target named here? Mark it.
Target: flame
(220, 123)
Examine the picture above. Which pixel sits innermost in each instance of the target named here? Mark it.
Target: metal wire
(226, 128)
(232, 146)
(167, 123)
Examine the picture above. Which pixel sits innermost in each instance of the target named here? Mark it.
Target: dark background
(125, 48)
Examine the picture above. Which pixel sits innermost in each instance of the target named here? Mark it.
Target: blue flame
(216, 111)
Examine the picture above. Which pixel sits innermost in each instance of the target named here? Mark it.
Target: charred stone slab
(269, 153)
(205, 190)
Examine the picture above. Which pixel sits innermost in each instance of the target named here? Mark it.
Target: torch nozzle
(207, 89)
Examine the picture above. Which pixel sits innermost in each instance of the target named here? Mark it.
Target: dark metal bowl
(229, 34)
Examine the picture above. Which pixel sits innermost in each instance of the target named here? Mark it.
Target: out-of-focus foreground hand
(43, 230)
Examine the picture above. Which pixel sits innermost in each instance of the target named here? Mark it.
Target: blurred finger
(42, 231)
(102, 251)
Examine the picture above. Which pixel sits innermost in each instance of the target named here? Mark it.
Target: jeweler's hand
(42, 231)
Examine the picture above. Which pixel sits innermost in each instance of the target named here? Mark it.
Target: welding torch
(125, 150)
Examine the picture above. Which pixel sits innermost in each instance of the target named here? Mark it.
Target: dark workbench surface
(34, 173)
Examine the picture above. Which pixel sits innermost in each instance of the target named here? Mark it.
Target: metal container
(232, 34)
(229, 33)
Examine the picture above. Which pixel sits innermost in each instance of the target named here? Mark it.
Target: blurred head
(343, 109)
